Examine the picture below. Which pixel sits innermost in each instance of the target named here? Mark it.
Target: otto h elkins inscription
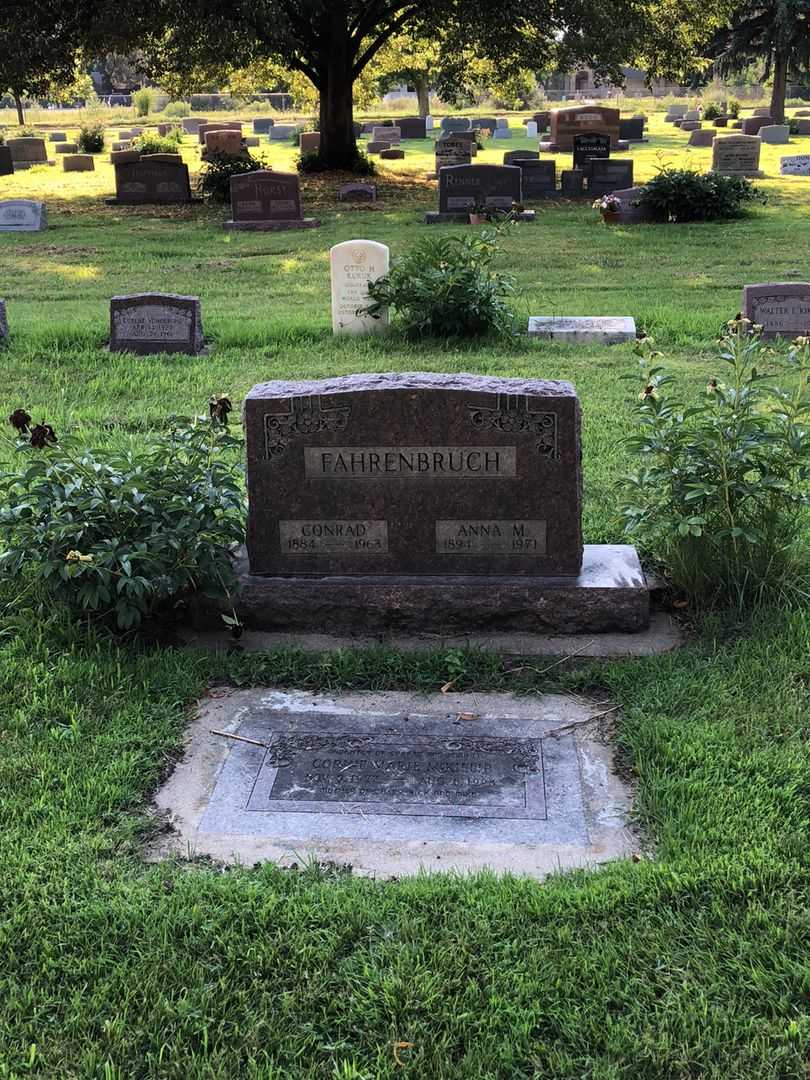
(414, 474)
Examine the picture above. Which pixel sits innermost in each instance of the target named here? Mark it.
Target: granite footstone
(151, 323)
(583, 330)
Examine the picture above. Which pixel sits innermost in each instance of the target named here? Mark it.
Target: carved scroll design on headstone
(512, 415)
(282, 750)
(306, 416)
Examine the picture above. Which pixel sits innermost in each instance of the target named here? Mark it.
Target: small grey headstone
(57, 136)
(583, 330)
(22, 215)
(149, 323)
(775, 134)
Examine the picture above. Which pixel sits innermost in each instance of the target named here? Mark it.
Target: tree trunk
(779, 91)
(422, 96)
(20, 110)
(338, 144)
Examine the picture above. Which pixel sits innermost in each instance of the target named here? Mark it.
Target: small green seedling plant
(123, 535)
(720, 491)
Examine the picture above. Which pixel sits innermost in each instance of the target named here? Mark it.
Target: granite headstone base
(609, 594)
(438, 217)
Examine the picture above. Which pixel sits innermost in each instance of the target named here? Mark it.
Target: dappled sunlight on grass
(76, 273)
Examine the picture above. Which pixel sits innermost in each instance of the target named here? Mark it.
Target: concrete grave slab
(583, 330)
(395, 783)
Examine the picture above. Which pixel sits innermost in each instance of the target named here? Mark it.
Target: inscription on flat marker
(315, 537)
(413, 775)
(491, 537)
(409, 462)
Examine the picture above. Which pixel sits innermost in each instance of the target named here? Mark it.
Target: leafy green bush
(177, 109)
(712, 111)
(120, 535)
(446, 288)
(718, 497)
(91, 138)
(142, 101)
(215, 176)
(687, 195)
(733, 108)
(152, 143)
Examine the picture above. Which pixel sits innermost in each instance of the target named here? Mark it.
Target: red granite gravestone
(267, 201)
(566, 123)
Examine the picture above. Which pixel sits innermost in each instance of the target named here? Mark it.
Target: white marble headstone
(22, 215)
(531, 129)
(354, 264)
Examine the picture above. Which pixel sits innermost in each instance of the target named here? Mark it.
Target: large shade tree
(771, 34)
(333, 42)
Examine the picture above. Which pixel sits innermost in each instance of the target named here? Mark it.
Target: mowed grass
(691, 962)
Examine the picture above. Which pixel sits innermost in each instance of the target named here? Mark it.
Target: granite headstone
(782, 309)
(267, 201)
(149, 323)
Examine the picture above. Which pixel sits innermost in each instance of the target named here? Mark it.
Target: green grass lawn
(690, 963)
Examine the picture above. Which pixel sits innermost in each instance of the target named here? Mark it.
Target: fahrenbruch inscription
(422, 775)
(409, 462)
(470, 475)
(314, 537)
(491, 537)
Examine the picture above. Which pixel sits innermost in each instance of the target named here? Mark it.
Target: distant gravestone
(267, 201)
(538, 179)
(450, 124)
(691, 125)
(804, 127)
(797, 165)
(736, 155)
(282, 131)
(511, 157)
(501, 122)
(782, 309)
(217, 125)
(775, 134)
(488, 122)
(373, 147)
(676, 112)
(57, 136)
(531, 129)
(628, 213)
(72, 147)
(497, 187)
(393, 153)
(6, 162)
(631, 129)
(389, 134)
(502, 133)
(762, 112)
(227, 142)
(572, 182)
(78, 163)
(413, 127)
(452, 151)
(353, 265)
(309, 142)
(22, 215)
(192, 124)
(429, 123)
(356, 191)
(27, 152)
(691, 115)
(336, 470)
(752, 124)
(702, 137)
(149, 323)
(151, 181)
(3, 323)
(590, 119)
(609, 174)
(588, 145)
(262, 125)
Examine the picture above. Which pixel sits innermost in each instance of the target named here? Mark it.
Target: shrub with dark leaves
(215, 177)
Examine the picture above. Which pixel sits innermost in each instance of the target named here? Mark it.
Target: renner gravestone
(149, 323)
(736, 155)
(22, 215)
(151, 181)
(266, 201)
(497, 187)
(354, 264)
(782, 309)
(379, 474)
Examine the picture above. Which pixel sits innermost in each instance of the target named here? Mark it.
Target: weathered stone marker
(424, 500)
(149, 323)
(736, 155)
(782, 309)
(354, 264)
(22, 215)
(266, 201)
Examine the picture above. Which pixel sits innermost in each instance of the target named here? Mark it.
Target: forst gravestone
(149, 180)
(736, 155)
(353, 265)
(265, 201)
(22, 215)
(782, 309)
(595, 119)
(150, 323)
(380, 474)
(589, 144)
(609, 174)
(497, 187)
